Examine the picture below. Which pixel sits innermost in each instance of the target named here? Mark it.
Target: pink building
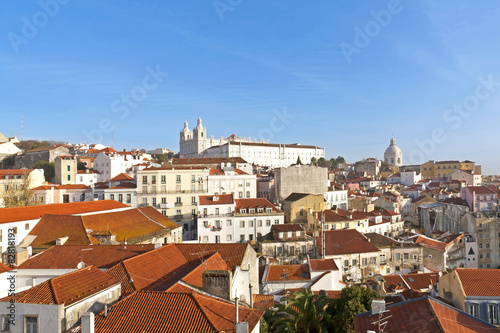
(479, 198)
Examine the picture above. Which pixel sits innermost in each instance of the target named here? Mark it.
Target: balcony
(216, 215)
(215, 228)
(178, 204)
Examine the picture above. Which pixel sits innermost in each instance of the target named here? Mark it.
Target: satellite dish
(80, 265)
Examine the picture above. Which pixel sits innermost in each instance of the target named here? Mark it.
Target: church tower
(393, 154)
(200, 136)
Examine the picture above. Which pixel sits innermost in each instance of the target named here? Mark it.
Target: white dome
(393, 154)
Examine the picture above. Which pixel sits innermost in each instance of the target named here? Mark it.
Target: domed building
(393, 154)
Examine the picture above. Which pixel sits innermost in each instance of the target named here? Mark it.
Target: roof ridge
(53, 289)
(85, 229)
(150, 218)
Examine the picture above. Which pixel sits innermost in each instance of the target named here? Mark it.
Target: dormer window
(215, 198)
(260, 210)
(251, 210)
(284, 275)
(243, 211)
(269, 210)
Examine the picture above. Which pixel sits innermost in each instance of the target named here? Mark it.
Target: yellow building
(15, 178)
(297, 205)
(444, 169)
(65, 170)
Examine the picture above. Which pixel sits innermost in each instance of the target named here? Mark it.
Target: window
(346, 225)
(193, 200)
(248, 194)
(240, 195)
(398, 256)
(178, 178)
(382, 259)
(406, 256)
(178, 212)
(69, 168)
(205, 239)
(474, 310)
(153, 179)
(144, 179)
(31, 324)
(259, 223)
(268, 223)
(364, 262)
(250, 237)
(276, 221)
(242, 224)
(69, 178)
(250, 224)
(5, 323)
(242, 238)
(398, 268)
(229, 223)
(373, 261)
(354, 262)
(415, 257)
(163, 179)
(487, 245)
(346, 263)
(229, 238)
(193, 178)
(112, 196)
(129, 198)
(27, 226)
(487, 236)
(120, 197)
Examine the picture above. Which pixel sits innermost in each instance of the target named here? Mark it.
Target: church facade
(196, 143)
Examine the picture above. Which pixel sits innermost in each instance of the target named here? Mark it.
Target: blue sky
(349, 75)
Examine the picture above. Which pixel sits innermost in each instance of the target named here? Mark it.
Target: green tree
(49, 169)
(8, 162)
(303, 312)
(313, 160)
(162, 158)
(298, 161)
(80, 165)
(340, 159)
(353, 300)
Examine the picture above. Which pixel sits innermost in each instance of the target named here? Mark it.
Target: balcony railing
(178, 204)
(216, 228)
(216, 215)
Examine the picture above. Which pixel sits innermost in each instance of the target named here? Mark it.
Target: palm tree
(303, 312)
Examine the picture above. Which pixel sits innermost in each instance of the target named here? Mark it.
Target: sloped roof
(126, 225)
(232, 253)
(121, 177)
(173, 312)
(346, 241)
(161, 268)
(68, 256)
(14, 172)
(36, 212)
(207, 160)
(287, 227)
(323, 265)
(296, 196)
(426, 315)
(277, 273)
(67, 288)
(3, 138)
(480, 282)
(255, 203)
(219, 199)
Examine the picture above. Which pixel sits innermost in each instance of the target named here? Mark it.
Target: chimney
(88, 322)
(378, 306)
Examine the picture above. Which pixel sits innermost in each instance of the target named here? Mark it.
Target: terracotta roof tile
(255, 203)
(68, 256)
(480, 282)
(288, 273)
(207, 160)
(345, 242)
(36, 212)
(121, 177)
(425, 315)
(66, 289)
(287, 227)
(232, 253)
(220, 199)
(323, 265)
(205, 313)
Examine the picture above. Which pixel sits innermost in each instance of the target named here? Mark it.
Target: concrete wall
(300, 179)
(50, 317)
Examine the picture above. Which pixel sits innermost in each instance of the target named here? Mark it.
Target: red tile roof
(130, 225)
(100, 256)
(277, 273)
(479, 190)
(345, 242)
(430, 243)
(255, 203)
(232, 253)
(220, 199)
(36, 212)
(63, 187)
(14, 172)
(286, 227)
(173, 312)
(220, 172)
(323, 265)
(263, 302)
(479, 282)
(426, 315)
(121, 177)
(66, 289)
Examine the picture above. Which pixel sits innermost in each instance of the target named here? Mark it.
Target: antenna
(112, 139)
(22, 126)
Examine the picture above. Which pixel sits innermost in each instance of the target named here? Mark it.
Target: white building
(222, 219)
(232, 181)
(410, 177)
(470, 177)
(336, 197)
(112, 164)
(195, 143)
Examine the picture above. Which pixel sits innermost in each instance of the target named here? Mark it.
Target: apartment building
(174, 192)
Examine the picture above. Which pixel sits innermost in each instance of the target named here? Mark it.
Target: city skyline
(349, 76)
